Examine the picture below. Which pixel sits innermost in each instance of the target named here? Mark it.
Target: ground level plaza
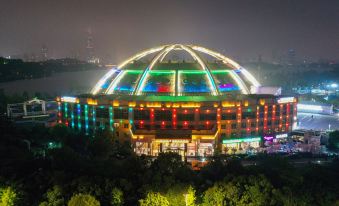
(182, 147)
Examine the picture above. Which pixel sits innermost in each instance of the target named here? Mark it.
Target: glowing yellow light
(153, 104)
(116, 103)
(246, 103)
(227, 104)
(91, 101)
(190, 104)
(132, 104)
(262, 102)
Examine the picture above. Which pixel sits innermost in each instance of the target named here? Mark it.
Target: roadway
(318, 122)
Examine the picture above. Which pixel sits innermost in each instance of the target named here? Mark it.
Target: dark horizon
(243, 30)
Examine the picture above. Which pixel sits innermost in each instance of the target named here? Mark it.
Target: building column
(43, 105)
(25, 109)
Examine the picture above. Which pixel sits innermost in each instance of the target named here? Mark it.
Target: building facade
(191, 107)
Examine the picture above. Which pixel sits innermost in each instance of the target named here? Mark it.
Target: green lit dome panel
(160, 81)
(128, 81)
(193, 81)
(224, 81)
(155, 72)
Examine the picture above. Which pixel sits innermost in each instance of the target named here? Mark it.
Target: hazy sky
(241, 29)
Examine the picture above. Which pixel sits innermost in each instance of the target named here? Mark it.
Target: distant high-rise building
(89, 46)
(291, 56)
(44, 53)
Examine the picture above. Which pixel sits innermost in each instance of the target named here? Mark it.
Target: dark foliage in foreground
(101, 169)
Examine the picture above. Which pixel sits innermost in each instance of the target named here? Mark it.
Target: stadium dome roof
(157, 71)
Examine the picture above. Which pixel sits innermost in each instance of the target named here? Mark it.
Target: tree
(117, 198)
(215, 195)
(169, 169)
(83, 200)
(181, 195)
(102, 146)
(190, 196)
(154, 199)
(243, 190)
(54, 197)
(8, 197)
(333, 140)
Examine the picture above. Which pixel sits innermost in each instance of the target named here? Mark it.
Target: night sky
(240, 29)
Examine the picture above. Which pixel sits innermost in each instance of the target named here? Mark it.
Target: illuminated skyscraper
(90, 48)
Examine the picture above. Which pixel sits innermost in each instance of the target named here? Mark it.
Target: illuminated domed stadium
(160, 75)
(185, 99)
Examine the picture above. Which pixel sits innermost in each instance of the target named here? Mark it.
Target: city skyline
(244, 29)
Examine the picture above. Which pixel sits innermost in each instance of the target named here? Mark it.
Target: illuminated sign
(249, 139)
(279, 136)
(268, 138)
(285, 100)
(69, 99)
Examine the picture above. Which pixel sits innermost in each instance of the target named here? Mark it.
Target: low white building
(315, 107)
(33, 111)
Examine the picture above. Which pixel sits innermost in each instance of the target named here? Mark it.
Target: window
(270, 108)
(269, 123)
(229, 116)
(102, 112)
(234, 126)
(284, 110)
(185, 117)
(120, 113)
(208, 116)
(163, 115)
(250, 115)
(141, 114)
(223, 126)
